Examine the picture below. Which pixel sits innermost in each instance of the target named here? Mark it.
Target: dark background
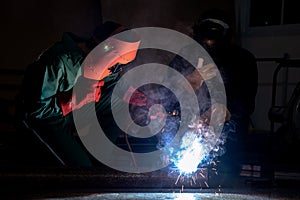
(29, 27)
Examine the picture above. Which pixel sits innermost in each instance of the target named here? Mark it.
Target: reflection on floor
(174, 196)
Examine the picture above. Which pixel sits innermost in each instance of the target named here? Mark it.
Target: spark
(177, 179)
(194, 148)
(191, 179)
(219, 193)
(197, 148)
(219, 189)
(190, 159)
(206, 184)
(202, 175)
(190, 155)
(194, 178)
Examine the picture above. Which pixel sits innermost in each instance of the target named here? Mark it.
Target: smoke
(193, 141)
(200, 141)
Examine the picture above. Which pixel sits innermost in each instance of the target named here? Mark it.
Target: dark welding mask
(210, 33)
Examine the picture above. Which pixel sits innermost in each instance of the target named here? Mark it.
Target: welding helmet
(212, 29)
(115, 45)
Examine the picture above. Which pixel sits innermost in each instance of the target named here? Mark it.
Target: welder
(238, 68)
(237, 65)
(48, 98)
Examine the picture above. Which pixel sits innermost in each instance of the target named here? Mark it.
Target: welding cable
(128, 144)
(45, 143)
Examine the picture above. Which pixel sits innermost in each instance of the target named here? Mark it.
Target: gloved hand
(219, 111)
(87, 91)
(199, 75)
(138, 98)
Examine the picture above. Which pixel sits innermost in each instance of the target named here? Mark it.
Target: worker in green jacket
(48, 98)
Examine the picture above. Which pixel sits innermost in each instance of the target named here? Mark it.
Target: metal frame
(284, 62)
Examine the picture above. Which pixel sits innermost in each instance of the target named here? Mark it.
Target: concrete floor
(173, 196)
(105, 183)
(28, 171)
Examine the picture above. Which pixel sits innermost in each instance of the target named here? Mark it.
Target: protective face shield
(210, 33)
(211, 28)
(121, 48)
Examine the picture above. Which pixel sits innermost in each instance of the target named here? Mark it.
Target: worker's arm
(85, 91)
(42, 81)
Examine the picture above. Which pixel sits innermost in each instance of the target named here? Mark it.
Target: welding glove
(138, 98)
(216, 115)
(199, 75)
(86, 91)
